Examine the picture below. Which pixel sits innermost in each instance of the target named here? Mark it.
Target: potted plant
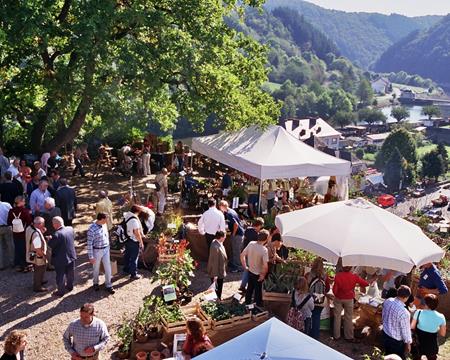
(140, 324)
(125, 334)
(153, 304)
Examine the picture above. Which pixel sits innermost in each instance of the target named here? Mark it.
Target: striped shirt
(78, 337)
(97, 238)
(396, 320)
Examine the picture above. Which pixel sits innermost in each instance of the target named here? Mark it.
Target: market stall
(273, 340)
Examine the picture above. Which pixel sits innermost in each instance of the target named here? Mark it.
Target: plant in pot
(125, 334)
(154, 305)
(178, 271)
(140, 324)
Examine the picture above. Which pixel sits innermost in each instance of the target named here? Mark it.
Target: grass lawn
(427, 148)
(369, 157)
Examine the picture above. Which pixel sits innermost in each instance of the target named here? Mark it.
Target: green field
(271, 86)
(427, 148)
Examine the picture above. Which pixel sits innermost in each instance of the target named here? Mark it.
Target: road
(403, 208)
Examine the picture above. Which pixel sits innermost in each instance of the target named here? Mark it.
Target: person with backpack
(302, 305)
(132, 229)
(19, 217)
(319, 286)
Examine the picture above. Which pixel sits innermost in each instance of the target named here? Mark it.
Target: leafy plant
(302, 255)
(179, 270)
(282, 279)
(125, 334)
(223, 311)
(171, 313)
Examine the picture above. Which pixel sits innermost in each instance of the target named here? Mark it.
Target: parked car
(435, 215)
(386, 200)
(418, 192)
(442, 200)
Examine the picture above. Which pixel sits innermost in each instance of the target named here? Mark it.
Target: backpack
(17, 224)
(317, 288)
(157, 186)
(121, 231)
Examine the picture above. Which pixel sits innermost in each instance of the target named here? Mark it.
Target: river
(415, 113)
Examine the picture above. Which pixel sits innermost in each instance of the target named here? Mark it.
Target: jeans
(6, 247)
(347, 305)
(102, 256)
(64, 277)
(161, 195)
(180, 160)
(254, 286)
(315, 322)
(244, 280)
(130, 258)
(236, 244)
(19, 253)
(307, 322)
(392, 346)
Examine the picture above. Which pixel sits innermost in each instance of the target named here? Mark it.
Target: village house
(377, 139)
(381, 86)
(314, 128)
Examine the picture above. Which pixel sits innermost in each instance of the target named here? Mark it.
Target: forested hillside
(426, 53)
(362, 37)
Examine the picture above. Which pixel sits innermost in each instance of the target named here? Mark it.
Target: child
(197, 342)
(302, 305)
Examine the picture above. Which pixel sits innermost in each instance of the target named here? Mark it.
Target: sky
(404, 7)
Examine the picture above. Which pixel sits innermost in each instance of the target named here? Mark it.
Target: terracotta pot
(141, 355)
(155, 355)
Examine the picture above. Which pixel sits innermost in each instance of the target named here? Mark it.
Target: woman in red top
(197, 342)
(19, 211)
(344, 293)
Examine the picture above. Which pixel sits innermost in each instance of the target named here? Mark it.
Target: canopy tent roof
(273, 340)
(359, 232)
(269, 154)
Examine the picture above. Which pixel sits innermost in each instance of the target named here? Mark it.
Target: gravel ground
(46, 317)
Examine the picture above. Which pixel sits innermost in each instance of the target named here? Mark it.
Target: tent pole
(259, 196)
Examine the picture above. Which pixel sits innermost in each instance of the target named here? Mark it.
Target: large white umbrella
(359, 232)
(273, 340)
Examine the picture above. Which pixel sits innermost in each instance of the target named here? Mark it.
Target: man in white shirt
(6, 239)
(211, 221)
(14, 168)
(134, 243)
(38, 196)
(4, 163)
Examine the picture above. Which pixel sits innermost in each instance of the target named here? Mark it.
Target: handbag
(415, 346)
(295, 316)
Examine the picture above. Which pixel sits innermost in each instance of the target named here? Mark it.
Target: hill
(362, 37)
(426, 53)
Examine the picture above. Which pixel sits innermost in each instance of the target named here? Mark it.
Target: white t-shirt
(132, 225)
(4, 210)
(37, 242)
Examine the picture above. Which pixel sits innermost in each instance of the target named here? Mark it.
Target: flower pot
(155, 355)
(187, 296)
(141, 355)
(123, 354)
(153, 333)
(141, 338)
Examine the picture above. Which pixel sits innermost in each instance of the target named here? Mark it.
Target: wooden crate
(188, 311)
(235, 321)
(261, 316)
(276, 297)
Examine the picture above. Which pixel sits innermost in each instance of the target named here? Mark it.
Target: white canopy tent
(361, 233)
(272, 154)
(273, 340)
(269, 154)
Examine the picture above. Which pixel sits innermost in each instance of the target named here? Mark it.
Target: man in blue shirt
(227, 181)
(236, 236)
(431, 281)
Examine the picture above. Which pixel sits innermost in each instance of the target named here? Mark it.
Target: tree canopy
(433, 165)
(401, 140)
(64, 61)
(399, 113)
(431, 110)
(371, 116)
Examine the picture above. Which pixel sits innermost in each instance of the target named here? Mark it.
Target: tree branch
(64, 11)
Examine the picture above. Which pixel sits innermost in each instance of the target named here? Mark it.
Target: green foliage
(417, 51)
(303, 256)
(282, 279)
(404, 78)
(125, 335)
(142, 62)
(399, 113)
(223, 311)
(362, 37)
(442, 150)
(178, 271)
(171, 313)
(394, 172)
(399, 139)
(365, 92)
(431, 111)
(371, 116)
(433, 164)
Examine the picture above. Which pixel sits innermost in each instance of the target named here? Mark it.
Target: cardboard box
(113, 268)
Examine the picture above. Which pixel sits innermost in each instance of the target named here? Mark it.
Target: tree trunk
(67, 135)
